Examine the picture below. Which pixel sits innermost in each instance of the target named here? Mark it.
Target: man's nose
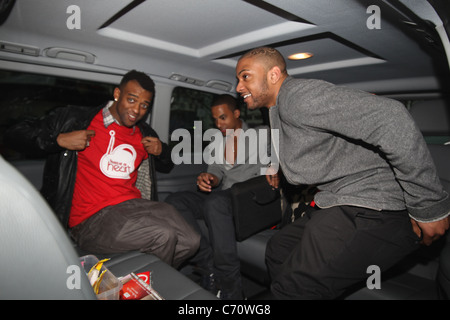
(239, 87)
(136, 108)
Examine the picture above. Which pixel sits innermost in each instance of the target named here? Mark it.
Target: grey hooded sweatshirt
(358, 148)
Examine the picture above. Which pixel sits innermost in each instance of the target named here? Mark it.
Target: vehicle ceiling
(202, 39)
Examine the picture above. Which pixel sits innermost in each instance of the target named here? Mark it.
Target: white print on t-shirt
(118, 163)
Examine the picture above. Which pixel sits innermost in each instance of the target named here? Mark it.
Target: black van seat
(252, 252)
(171, 284)
(441, 157)
(443, 277)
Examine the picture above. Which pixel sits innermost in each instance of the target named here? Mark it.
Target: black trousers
(327, 250)
(218, 248)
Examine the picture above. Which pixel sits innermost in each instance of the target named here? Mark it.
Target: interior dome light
(300, 56)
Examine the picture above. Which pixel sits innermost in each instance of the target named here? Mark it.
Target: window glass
(190, 105)
(26, 95)
(432, 117)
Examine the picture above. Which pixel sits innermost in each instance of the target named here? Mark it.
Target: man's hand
(430, 231)
(152, 145)
(273, 180)
(273, 177)
(206, 181)
(75, 140)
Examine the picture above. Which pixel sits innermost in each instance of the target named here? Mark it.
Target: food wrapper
(138, 288)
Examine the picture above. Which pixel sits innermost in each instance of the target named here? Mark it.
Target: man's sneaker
(229, 295)
(208, 282)
(230, 288)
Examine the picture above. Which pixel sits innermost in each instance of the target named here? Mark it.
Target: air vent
(19, 48)
(70, 54)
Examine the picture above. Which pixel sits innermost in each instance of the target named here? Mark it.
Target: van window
(432, 117)
(31, 96)
(189, 105)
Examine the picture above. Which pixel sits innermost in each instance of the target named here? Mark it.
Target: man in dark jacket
(97, 160)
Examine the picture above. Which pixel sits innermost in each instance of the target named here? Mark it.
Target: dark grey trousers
(218, 248)
(139, 224)
(328, 250)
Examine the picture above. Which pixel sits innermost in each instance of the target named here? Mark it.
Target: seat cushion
(171, 284)
(252, 253)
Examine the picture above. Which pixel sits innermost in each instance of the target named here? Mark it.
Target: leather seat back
(37, 260)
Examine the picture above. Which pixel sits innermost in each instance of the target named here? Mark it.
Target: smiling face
(131, 103)
(252, 83)
(225, 118)
(259, 79)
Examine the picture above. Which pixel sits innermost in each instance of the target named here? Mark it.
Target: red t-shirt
(107, 169)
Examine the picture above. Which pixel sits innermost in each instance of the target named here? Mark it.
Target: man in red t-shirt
(108, 213)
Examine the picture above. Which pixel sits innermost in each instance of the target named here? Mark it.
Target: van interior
(55, 53)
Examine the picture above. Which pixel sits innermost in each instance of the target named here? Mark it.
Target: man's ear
(116, 94)
(274, 74)
(237, 113)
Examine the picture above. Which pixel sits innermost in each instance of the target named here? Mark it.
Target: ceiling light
(300, 56)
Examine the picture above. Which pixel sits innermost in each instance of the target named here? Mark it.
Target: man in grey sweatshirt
(217, 256)
(379, 194)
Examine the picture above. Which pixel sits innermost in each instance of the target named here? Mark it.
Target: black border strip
(277, 11)
(318, 36)
(121, 13)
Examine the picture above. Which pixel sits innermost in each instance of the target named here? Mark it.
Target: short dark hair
(270, 56)
(144, 80)
(227, 99)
